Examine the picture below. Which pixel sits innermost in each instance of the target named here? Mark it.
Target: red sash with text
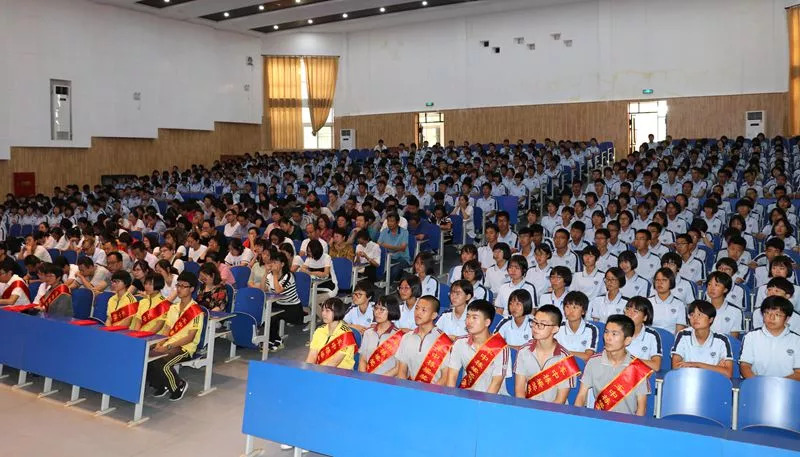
(124, 313)
(188, 315)
(482, 360)
(14, 285)
(622, 385)
(156, 311)
(340, 342)
(384, 351)
(548, 378)
(53, 295)
(434, 359)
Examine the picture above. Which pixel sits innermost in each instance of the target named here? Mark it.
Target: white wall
(676, 47)
(189, 75)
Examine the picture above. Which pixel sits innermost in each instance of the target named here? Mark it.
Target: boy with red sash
(424, 352)
(153, 307)
(183, 327)
(545, 370)
(56, 299)
(618, 379)
(122, 306)
(381, 341)
(13, 289)
(333, 344)
(484, 356)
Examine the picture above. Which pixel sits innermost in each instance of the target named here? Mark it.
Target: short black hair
(428, 262)
(414, 283)
(504, 248)
(483, 307)
(705, 307)
(577, 297)
(563, 272)
(434, 302)
(779, 303)
(84, 261)
(464, 285)
(672, 257)
(625, 322)
(628, 256)
(722, 278)
(475, 266)
(7, 265)
(523, 296)
(123, 276)
(642, 305)
(337, 306)
(189, 277)
(366, 287)
(553, 312)
(155, 278)
(783, 284)
(315, 251)
(392, 305)
(520, 261)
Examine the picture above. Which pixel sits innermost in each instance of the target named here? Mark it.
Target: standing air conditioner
(60, 110)
(347, 139)
(754, 123)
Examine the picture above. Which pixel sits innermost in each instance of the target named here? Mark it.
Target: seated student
(408, 291)
(486, 252)
(634, 283)
(539, 271)
(360, 314)
(516, 328)
(13, 289)
(779, 267)
(454, 321)
(238, 255)
(424, 352)
(153, 307)
(183, 328)
(737, 294)
(425, 270)
(333, 344)
(320, 266)
(774, 349)
(91, 276)
(381, 340)
(483, 356)
(668, 312)
(468, 252)
(367, 253)
(526, 246)
(590, 280)
(517, 268)
(684, 290)
(612, 302)
(780, 287)
(473, 273)
(729, 317)
(167, 253)
(497, 273)
(618, 379)
(211, 294)
(280, 280)
(701, 346)
(646, 342)
(560, 280)
(576, 335)
(543, 358)
(54, 297)
(122, 306)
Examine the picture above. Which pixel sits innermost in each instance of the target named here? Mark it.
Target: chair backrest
(343, 269)
(511, 379)
(380, 272)
(444, 297)
(33, 288)
(297, 244)
(458, 228)
(203, 331)
(667, 341)
(477, 219)
(100, 306)
(573, 391)
(230, 295)
(303, 283)
(770, 403)
(241, 274)
(53, 253)
(601, 328)
(510, 204)
(736, 348)
(697, 395)
(251, 301)
(81, 303)
(71, 256)
(136, 235)
(191, 267)
(495, 322)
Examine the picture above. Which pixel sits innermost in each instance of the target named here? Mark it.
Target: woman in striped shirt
(280, 280)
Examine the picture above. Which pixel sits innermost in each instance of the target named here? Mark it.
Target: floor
(207, 426)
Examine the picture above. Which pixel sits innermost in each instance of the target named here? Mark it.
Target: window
(324, 138)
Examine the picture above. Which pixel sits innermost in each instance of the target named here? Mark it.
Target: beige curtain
(793, 16)
(321, 75)
(283, 105)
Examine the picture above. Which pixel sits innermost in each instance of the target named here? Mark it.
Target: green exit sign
(428, 104)
(647, 91)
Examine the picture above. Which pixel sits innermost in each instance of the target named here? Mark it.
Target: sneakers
(158, 393)
(276, 345)
(178, 394)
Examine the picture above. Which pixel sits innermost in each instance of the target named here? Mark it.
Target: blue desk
(110, 363)
(315, 408)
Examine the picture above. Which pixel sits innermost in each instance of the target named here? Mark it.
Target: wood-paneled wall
(712, 117)
(61, 166)
(689, 117)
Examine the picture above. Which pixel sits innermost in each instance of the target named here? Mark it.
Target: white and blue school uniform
(513, 334)
(430, 286)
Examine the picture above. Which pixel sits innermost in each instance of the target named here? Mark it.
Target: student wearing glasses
(545, 370)
(473, 273)
(381, 340)
(122, 306)
(576, 335)
(360, 314)
(454, 321)
(700, 346)
(183, 328)
(774, 349)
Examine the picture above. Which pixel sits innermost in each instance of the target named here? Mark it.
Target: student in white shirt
(409, 291)
(612, 302)
(497, 274)
(560, 281)
(669, 313)
(590, 280)
(562, 255)
(539, 270)
(634, 283)
(320, 265)
(701, 347)
(774, 349)
(729, 317)
(425, 270)
(781, 287)
(360, 314)
(368, 253)
(197, 251)
(579, 337)
(646, 342)
(453, 321)
(473, 273)
(516, 327)
(517, 268)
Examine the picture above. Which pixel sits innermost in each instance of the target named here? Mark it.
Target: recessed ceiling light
(311, 21)
(275, 27)
(226, 14)
(382, 10)
(166, 1)
(298, 1)
(344, 15)
(424, 3)
(261, 7)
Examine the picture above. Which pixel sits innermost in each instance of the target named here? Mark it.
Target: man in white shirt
(772, 350)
